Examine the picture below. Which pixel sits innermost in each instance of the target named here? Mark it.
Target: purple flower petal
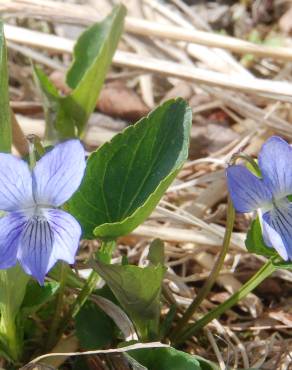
(47, 239)
(247, 191)
(58, 174)
(11, 227)
(275, 160)
(67, 232)
(35, 252)
(15, 183)
(277, 230)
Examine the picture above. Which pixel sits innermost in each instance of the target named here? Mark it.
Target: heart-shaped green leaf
(170, 359)
(5, 122)
(138, 291)
(36, 296)
(94, 328)
(126, 177)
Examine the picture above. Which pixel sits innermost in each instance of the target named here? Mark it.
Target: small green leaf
(156, 252)
(72, 279)
(36, 295)
(104, 253)
(81, 362)
(59, 120)
(254, 169)
(67, 116)
(93, 55)
(126, 177)
(138, 291)
(13, 284)
(280, 264)
(94, 328)
(254, 241)
(5, 121)
(170, 359)
(167, 322)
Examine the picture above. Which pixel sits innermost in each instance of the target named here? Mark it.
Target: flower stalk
(59, 308)
(212, 277)
(266, 270)
(106, 250)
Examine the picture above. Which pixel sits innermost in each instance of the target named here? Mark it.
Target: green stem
(85, 292)
(266, 270)
(87, 289)
(58, 310)
(212, 277)
(31, 152)
(105, 251)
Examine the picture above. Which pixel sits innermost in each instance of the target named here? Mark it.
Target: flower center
(280, 203)
(36, 212)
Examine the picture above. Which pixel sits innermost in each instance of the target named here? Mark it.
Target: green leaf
(93, 55)
(81, 362)
(105, 251)
(94, 328)
(280, 264)
(156, 252)
(254, 169)
(167, 322)
(37, 295)
(138, 291)
(254, 241)
(59, 120)
(5, 121)
(72, 279)
(13, 284)
(133, 363)
(170, 359)
(93, 52)
(126, 177)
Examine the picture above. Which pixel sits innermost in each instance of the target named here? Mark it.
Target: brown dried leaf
(115, 99)
(118, 100)
(285, 22)
(182, 90)
(282, 316)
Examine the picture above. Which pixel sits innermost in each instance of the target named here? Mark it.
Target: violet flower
(268, 195)
(34, 232)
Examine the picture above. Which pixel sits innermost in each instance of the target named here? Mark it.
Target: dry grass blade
(145, 27)
(274, 89)
(105, 351)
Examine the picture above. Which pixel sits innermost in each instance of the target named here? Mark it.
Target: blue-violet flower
(268, 195)
(34, 232)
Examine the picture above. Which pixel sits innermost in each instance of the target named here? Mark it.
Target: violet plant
(103, 198)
